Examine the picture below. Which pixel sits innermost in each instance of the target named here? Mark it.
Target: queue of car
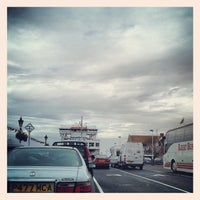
(66, 166)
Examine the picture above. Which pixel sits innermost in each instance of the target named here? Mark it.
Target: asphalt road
(152, 179)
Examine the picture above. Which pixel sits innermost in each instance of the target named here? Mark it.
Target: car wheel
(173, 166)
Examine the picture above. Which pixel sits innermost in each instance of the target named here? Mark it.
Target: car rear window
(44, 157)
(79, 145)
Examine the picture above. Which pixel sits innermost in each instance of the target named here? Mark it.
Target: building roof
(145, 139)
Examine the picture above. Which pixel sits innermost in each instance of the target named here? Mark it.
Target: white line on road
(97, 184)
(159, 175)
(113, 175)
(154, 181)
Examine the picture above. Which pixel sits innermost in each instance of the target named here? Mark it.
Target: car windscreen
(44, 157)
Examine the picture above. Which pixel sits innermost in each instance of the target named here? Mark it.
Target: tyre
(173, 166)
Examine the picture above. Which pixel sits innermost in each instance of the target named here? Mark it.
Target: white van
(179, 157)
(115, 151)
(131, 155)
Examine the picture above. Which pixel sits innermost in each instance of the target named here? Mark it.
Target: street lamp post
(152, 147)
(19, 134)
(20, 121)
(45, 137)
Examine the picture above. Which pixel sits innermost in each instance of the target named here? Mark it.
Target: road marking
(156, 171)
(158, 175)
(154, 181)
(113, 175)
(97, 184)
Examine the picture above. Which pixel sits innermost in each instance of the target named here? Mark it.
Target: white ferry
(80, 132)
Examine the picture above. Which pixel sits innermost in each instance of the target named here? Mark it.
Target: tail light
(74, 187)
(107, 160)
(83, 187)
(65, 187)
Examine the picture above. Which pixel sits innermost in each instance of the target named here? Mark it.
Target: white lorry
(131, 155)
(115, 150)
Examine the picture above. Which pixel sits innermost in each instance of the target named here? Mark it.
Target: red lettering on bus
(182, 147)
(190, 146)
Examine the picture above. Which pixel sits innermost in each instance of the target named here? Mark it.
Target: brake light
(78, 187)
(65, 187)
(83, 187)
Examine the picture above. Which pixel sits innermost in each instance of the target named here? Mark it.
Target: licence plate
(32, 187)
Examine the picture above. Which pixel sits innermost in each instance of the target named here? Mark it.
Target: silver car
(48, 169)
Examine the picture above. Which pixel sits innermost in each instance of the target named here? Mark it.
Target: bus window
(179, 135)
(188, 133)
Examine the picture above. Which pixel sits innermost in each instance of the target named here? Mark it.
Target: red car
(102, 161)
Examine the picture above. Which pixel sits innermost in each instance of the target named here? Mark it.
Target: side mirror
(91, 165)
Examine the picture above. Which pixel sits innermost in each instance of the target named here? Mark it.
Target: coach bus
(179, 149)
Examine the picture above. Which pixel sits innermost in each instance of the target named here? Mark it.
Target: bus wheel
(173, 166)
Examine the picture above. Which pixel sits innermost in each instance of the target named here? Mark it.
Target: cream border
(91, 3)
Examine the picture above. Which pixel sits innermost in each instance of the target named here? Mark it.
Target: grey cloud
(121, 68)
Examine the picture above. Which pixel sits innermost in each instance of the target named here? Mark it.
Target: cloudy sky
(125, 70)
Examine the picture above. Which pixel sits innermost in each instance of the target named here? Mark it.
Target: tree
(21, 136)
